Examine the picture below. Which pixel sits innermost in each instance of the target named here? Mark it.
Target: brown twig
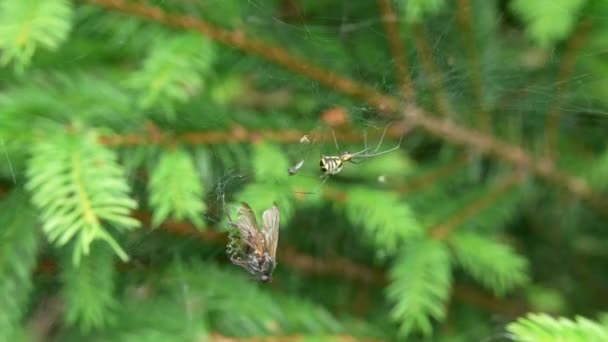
(45, 317)
(272, 53)
(430, 177)
(289, 256)
(444, 129)
(440, 97)
(444, 229)
(235, 135)
(484, 300)
(291, 338)
(389, 18)
(513, 154)
(465, 23)
(566, 70)
(342, 268)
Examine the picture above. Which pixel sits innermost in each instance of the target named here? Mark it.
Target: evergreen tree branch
(429, 178)
(396, 43)
(566, 71)
(421, 279)
(45, 318)
(78, 186)
(432, 72)
(314, 266)
(443, 230)
(542, 327)
(88, 289)
(444, 129)
(465, 23)
(19, 241)
(388, 221)
(488, 145)
(237, 134)
(489, 302)
(175, 189)
(216, 337)
(30, 24)
(272, 53)
(495, 265)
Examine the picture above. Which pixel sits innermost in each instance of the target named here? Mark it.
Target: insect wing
(271, 220)
(248, 228)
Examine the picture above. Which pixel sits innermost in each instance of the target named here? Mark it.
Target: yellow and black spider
(332, 165)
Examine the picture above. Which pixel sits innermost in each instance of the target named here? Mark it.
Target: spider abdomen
(331, 164)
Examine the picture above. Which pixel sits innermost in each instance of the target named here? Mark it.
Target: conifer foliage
(130, 129)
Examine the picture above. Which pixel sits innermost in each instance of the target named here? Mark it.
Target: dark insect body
(252, 248)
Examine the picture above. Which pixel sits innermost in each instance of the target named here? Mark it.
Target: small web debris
(305, 139)
(294, 169)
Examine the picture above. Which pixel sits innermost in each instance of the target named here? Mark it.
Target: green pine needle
(176, 190)
(493, 264)
(417, 10)
(269, 163)
(174, 70)
(548, 21)
(88, 289)
(420, 286)
(27, 25)
(80, 189)
(389, 221)
(542, 327)
(19, 240)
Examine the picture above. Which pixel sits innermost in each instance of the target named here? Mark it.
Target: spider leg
(387, 151)
(381, 139)
(333, 133)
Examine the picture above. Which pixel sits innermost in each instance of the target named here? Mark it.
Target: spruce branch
(28, 25)
(398, 50)
(566, 71)
(237, 134)
(431, 177)
(421, 279)
(542, 327)
(216, 337)
(174, 71)
(315, 266)
(548, 22)
(175, 189)
(389, 221)
(444, 129)
(254, 46)
(493, 264)
(79, 188)
(45, 318)
(440, 96)
(442, 231)
(19, 241)
(415, 11)
(464, 20)
(88, 288)
(515, 155)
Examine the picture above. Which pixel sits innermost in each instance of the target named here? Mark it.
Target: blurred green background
(129, 129)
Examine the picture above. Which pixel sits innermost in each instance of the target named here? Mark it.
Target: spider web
(520, 93)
